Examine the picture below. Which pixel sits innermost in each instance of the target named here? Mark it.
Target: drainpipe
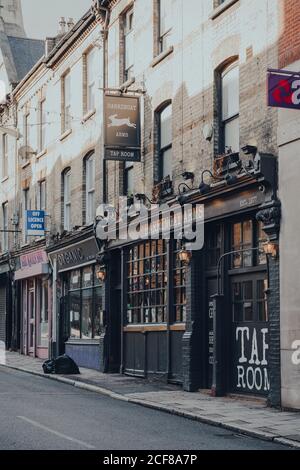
(104, 86)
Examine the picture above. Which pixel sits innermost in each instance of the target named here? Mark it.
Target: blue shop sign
(35, 223)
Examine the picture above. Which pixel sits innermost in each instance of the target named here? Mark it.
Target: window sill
(25, 165)
(162, 56)
(88, 115)
(81, 342)
(41, 154)
(5, 178)
(65, 135)
(127, 84)
(221, 8)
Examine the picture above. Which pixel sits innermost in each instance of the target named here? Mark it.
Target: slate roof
(25, 54)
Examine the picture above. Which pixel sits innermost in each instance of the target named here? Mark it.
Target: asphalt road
(40, 414)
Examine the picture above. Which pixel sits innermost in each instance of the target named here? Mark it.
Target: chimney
(62, 24)
(70, 23)
(50, 43)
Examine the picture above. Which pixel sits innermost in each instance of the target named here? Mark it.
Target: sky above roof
(41, 17)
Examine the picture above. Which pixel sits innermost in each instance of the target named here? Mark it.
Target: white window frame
(129, 43)
(4, 155)
(5, 227)
(42, 199)
(164, 32)
(67, 118)
(67, 199)
(229, 118)
(42, 126)
(90, 188)
(90, 80)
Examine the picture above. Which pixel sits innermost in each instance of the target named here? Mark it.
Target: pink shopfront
(34, 276)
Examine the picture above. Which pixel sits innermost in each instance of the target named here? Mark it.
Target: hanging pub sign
(284, 89)
(122, 128)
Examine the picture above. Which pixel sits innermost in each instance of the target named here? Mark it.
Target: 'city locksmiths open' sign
(122, 128)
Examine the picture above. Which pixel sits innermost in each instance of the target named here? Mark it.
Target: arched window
(230, 104)
(89, 188)
(66, 199)
(165, 141)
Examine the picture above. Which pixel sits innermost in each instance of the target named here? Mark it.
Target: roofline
(66, 41)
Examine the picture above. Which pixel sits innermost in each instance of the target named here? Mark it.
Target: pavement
(250, 417)
(39, 414)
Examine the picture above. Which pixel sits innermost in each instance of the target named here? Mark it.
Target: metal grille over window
(147, 283)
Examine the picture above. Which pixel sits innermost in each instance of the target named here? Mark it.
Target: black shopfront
(79, 292)
(214, 323)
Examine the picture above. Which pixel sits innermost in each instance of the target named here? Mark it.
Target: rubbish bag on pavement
(61, 365)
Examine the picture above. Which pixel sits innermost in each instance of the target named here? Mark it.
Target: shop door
(31, 322)
(250, 335)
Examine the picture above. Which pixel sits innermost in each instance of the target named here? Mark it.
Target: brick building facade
(201, 79)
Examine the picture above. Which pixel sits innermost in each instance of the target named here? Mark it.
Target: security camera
(262, 188)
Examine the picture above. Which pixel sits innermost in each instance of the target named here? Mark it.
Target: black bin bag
(61, 365)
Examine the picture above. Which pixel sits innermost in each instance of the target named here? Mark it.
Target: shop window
(248, 234)
(179, 286)
(43, 314)
(249, 300)
(147, 283)
(242, 239)
(85, 304)
(213, 246)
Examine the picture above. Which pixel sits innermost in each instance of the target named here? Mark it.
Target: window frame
(89, 192)
(223, 123)
(5, 239)
(5, 138)
(42, 205)
(67, 205)
(163, 150)
(128, 69)
(162, 35)
(66, 101)
(90, 81)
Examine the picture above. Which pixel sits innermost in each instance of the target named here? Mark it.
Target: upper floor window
(66, 190)
(90, 80)
(5, 227)
(4, 155)
(165, 142)
(42, 126)
(165, 24)
(90, 188)
(41, 196)
(26, 207)
(128, 179)
(66, 102)
(128, 45)
(230, 109)
(27, 134)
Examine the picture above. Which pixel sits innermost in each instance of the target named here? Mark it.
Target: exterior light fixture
(271, 249)
(231, 179)
(204, 188)
(185, 257)
(101, 273)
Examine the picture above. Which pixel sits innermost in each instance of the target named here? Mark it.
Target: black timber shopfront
(79, 299)
(213, 324)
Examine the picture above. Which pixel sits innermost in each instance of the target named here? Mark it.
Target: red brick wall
(289, 42)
